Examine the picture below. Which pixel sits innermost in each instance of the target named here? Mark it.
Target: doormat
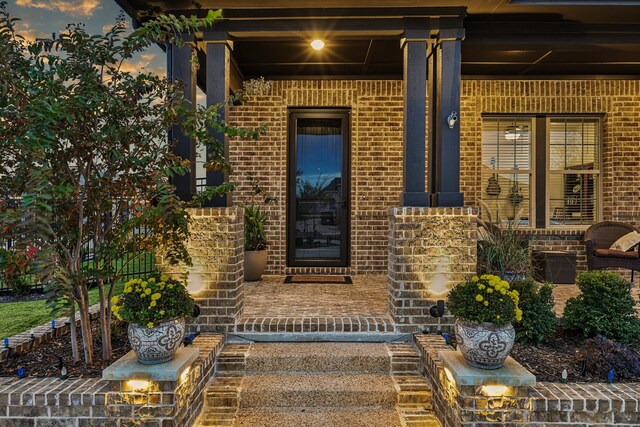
(344, 280)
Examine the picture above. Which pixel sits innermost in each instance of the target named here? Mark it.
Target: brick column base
(430, 250)
(216, 279)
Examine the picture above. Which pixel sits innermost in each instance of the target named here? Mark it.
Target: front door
(318, 188)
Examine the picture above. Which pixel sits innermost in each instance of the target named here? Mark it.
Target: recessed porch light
(317, 44)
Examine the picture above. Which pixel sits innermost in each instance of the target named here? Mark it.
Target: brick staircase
(318, 384)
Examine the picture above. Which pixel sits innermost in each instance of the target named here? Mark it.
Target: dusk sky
(40, 18)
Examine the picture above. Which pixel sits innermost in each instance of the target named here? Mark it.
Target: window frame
(531, 170)
(596, 172)
(541, 145)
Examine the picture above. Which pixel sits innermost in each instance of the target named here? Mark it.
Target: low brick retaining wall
(546, 404)
(96, 402)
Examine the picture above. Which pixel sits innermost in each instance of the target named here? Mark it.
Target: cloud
(73, 7)
(146, 63)
(29, 33)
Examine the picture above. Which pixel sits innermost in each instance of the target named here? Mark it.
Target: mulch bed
(43, 361)
(563, 351)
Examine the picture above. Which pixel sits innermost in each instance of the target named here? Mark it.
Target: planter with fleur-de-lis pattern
(484, 345)
(157, 344)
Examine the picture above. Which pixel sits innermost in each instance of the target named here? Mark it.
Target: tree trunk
(105, 322)
(73, 333)
(85, 324)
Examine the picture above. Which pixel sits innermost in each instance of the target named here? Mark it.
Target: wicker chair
(599, 238)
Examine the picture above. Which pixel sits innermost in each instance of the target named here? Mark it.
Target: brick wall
(216, 279)
(618, 100)
(430, 250)
(545, 404)
(35, 402)
(377, 149)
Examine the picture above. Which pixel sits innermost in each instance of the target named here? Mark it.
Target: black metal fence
(132, 265)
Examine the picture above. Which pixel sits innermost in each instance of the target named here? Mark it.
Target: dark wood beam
(218, 72)
(180, 69)
(446, 153)
(414, 46)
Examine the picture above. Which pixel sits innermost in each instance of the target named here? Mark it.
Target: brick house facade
(376, 150)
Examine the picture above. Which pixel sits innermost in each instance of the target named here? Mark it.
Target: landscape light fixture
(317, 44)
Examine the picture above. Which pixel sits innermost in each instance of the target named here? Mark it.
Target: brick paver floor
(273, 306)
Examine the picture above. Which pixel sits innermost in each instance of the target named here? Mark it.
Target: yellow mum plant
(152, 301)
(485, 299)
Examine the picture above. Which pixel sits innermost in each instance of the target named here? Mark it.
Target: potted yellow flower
(155, 309)
(485, 308)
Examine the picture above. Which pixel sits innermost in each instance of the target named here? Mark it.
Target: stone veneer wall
(216, 279)
(546, 404)
(430, 250)
(35, 402)
(377, 150)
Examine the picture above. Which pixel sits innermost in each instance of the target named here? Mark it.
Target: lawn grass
(16, 317)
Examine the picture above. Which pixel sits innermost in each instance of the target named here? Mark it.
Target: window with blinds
(574, 170)
(568, 196)
(507, 167)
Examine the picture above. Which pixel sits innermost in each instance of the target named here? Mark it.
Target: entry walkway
(273, 306)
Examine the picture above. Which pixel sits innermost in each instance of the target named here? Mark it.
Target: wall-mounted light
(317, 44)
(493, 390)
(138, 385)
(452, 119)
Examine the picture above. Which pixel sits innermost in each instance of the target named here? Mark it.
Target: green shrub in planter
(605, 307)
(538, 318)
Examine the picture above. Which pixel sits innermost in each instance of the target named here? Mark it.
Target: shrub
(21, 285)
(605, 307)
(152, 301)
(485, 299)
(538, 318)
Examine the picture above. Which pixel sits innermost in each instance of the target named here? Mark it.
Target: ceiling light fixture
(317, 44)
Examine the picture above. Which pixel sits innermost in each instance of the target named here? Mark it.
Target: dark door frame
(345, 239)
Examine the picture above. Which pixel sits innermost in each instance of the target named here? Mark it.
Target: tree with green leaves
(85, 159)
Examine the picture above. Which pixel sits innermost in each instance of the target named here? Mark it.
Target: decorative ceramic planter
(158, 344)
(484, 345)
(254, 264)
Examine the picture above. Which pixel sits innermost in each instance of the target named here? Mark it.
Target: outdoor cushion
(626, 242)
(612, 253)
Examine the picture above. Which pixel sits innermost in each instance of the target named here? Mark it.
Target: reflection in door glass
(319, 195)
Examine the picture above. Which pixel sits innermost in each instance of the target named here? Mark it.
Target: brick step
(323, 417)
(318, 357)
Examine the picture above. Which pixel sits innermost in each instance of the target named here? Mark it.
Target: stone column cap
(511, 374)
(128, 367)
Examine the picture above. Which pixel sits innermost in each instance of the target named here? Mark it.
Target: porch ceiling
(516, 38)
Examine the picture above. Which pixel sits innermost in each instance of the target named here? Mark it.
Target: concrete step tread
(338, 390)
(305, 381)
(318, 357)
(328, 349)
(372, 417)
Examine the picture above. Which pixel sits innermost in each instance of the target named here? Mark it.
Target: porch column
(414, 46)
(180, 69)
(218, 71)
(445, 152)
